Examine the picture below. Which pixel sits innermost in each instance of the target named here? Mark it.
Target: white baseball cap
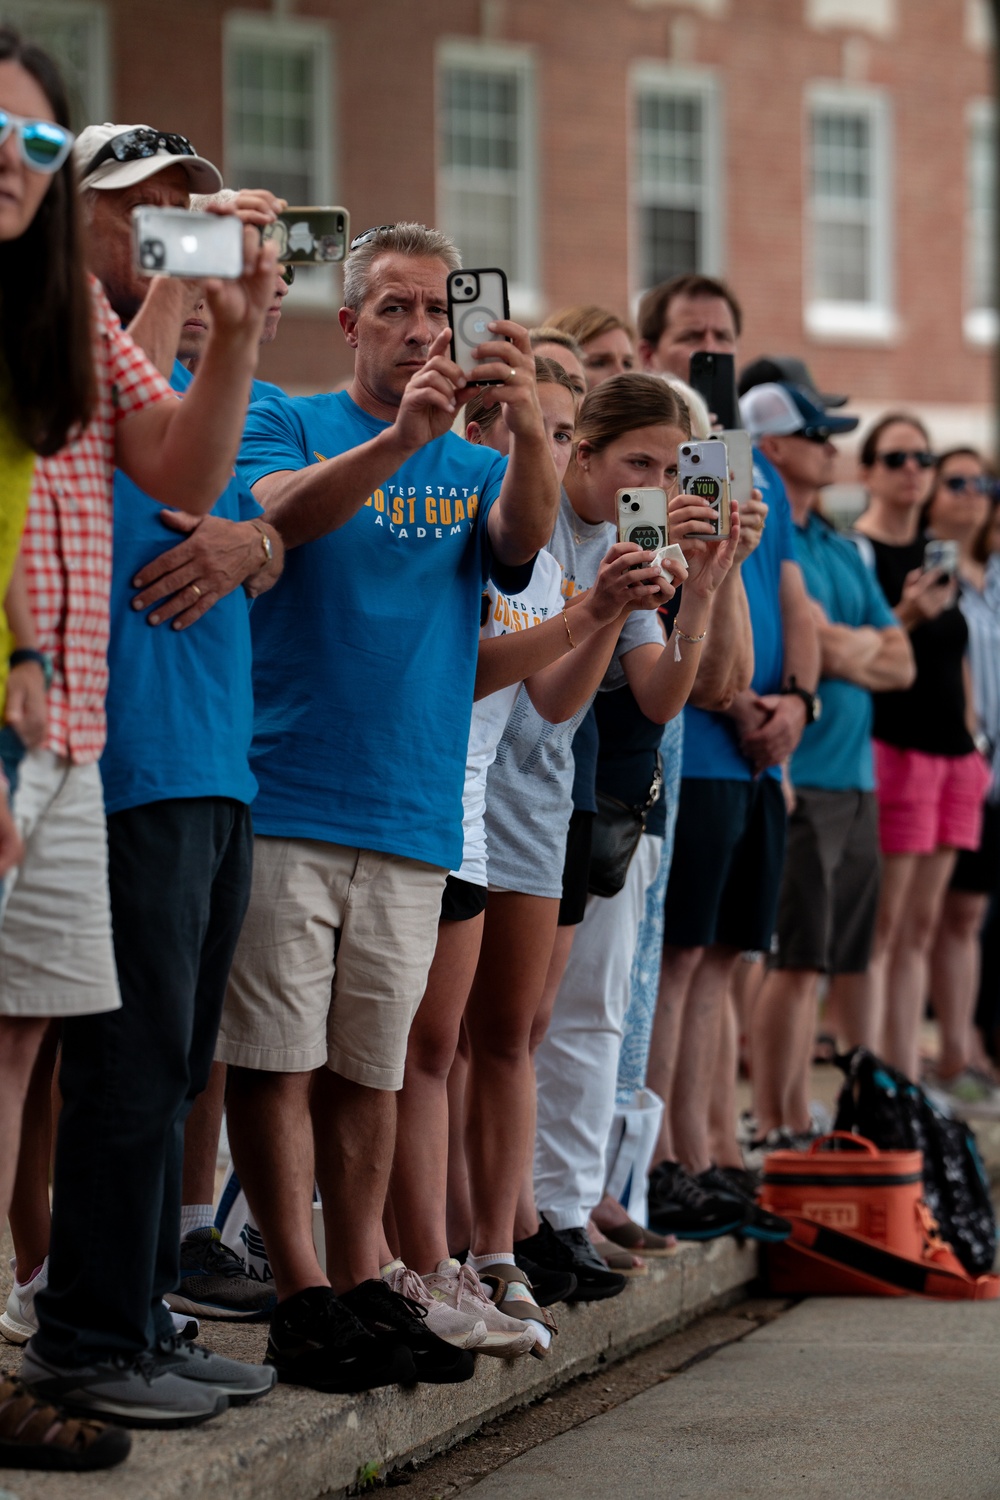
(139, 152)
(780, 410)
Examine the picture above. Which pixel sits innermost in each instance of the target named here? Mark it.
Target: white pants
(576, 1066)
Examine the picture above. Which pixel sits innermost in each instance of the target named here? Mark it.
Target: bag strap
(913, 1276)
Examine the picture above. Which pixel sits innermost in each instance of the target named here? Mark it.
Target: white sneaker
(19, 1321)
(463, 1330)
(461, 1288)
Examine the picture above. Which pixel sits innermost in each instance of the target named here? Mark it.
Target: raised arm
(525, 512)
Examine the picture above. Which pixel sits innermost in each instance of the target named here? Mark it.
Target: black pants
(180, 881)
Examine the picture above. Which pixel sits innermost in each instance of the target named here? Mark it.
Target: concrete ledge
(297, 1444)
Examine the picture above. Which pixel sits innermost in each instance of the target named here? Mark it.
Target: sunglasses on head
(44, 146)
(896, 458)
(959, 482)
(137, 145)
(366, 237)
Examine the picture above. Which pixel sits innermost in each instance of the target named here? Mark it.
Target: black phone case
(713, 376)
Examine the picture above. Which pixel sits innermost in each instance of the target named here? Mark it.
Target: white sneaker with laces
(460, 1287)
(19, 1321)
(463, 1330)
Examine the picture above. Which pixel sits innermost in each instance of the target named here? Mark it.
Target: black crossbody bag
(615, 837)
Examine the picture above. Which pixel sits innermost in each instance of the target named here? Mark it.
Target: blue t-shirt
(711, 744)
(365, 650)
(180, 702)
(836, 751)
(261, 388)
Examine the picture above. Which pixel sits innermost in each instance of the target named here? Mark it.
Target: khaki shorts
(56, 952)
(332, 961)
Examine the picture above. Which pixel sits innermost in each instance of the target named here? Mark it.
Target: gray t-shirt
(529, 789)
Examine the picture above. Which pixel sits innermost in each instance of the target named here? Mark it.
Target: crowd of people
(365, 795)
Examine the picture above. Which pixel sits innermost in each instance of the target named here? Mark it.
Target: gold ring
(197, 591)
(511, 375)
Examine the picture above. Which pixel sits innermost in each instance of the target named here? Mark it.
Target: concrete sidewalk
(297, 1444)
(840, 1399)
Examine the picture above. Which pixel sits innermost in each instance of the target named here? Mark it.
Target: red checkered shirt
(67, 541)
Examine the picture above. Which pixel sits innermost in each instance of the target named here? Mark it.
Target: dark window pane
(672, 241)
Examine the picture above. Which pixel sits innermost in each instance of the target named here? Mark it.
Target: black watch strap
(811, 701)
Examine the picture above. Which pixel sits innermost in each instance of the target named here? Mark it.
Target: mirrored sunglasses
(44, 145)
(368, 235)
(896, 458)
(288, 275)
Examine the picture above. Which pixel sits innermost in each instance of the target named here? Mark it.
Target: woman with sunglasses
(960, 510)
(46, 392)
(931, 779)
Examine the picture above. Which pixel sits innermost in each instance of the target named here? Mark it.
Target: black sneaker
(385, 1312)
(547, 1286)
(570, 1250)
(214, 1282)
(757, 1224)
(679, 1206)
(316, 1341)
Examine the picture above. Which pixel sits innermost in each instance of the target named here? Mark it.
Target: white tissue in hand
(673, 551)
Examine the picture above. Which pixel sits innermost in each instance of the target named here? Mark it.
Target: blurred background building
(833, 159)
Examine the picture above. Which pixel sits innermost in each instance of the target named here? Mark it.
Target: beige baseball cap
(99, 168)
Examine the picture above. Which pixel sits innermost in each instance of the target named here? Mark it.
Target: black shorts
(461, 900)
(726, 871)
(830, 888)
(978, 870)
(576, 869)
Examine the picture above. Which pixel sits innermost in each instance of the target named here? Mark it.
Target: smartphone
(703, 470)
(941, 556)
(642, 517)
(176, 242)
(740, 451)
(310, 236)
(714, 378)
(475, 299)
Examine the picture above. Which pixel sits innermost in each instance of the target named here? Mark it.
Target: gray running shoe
(134, 1393)
(214, 1283)
(240, 1382)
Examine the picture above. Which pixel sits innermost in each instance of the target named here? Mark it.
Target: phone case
(310, 236)
(703, 469)
(176, 242)
(713, 376)
(475, 299)
(941, 556)
(642, 517)
(740, 451)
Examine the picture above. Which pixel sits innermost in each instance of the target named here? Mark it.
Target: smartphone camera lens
(696, 458)
(626, 499)
(685, 450)
(636, 505)
(152, 255)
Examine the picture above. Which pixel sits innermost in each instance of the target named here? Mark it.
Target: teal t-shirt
(365, 650)
(835, 752)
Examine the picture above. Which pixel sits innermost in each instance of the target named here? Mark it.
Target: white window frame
(699, 83)
(316, 289)
(875, 319)
(96, 79)
(487, 57)
(980, 321)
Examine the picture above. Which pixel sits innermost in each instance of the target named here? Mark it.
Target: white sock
(479, 1263)
(196, 1216)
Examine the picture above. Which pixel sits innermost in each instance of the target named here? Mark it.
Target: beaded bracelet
(694, 640)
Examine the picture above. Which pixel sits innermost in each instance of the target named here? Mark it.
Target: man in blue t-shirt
(364, 664)
(829, 894)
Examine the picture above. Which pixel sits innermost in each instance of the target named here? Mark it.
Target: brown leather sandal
(632, 1236)
(625, 1262)
(35, 1435)
(506, 1285)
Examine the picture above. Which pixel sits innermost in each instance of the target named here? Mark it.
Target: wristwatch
(40, 658)
(265, 542)
(812, 701)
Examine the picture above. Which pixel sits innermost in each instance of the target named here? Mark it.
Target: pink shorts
(928, 802)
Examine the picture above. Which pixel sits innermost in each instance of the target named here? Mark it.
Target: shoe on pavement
(569, 1250)
(214, 1282)
(19, 1321)
(315, 1341)
(679, 1205)
(36, 1435)
(134, 1392)
(242, 1383)
(460, 1287)
(460, 1327)
(758, 1223)
(383, 1311)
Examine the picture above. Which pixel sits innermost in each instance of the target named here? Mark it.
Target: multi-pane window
(981, 229)
(486, 155)
(675, 180)
(847, 277)
(277, 93)
(75, 33)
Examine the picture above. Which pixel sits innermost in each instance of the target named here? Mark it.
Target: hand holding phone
(310, 236)
(703, 471)
(642, 517)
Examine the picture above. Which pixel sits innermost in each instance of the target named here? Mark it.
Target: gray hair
(394, 239)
